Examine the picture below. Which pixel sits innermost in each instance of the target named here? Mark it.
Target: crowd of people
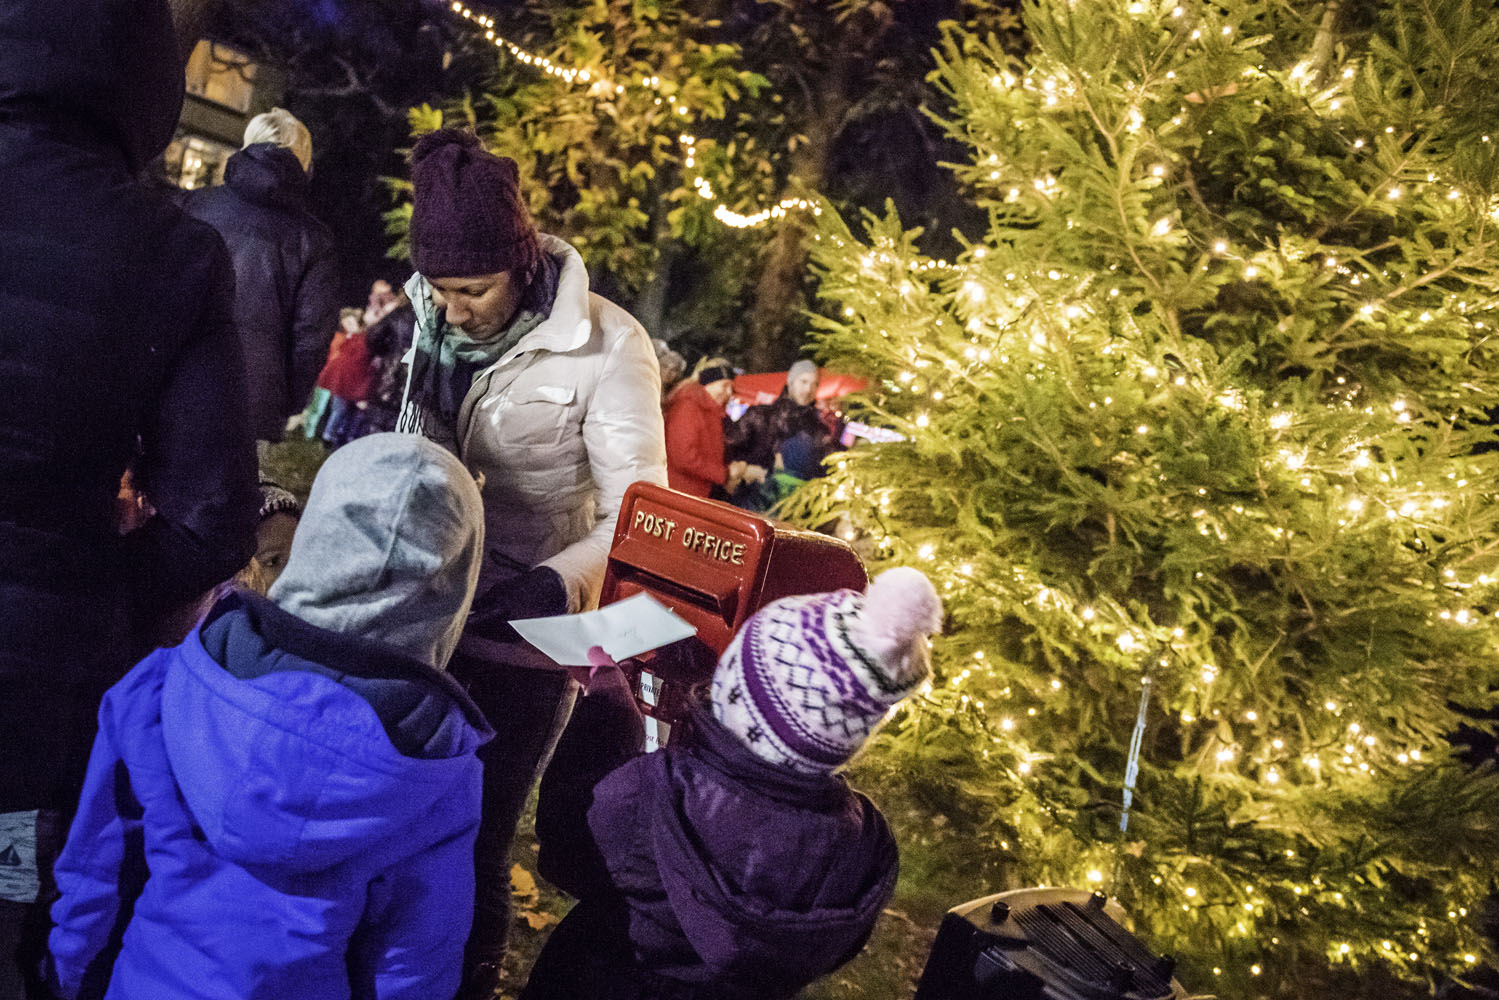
(753, 459)
(358, 391)
(256, 749)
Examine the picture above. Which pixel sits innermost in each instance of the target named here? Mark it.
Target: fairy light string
(1268, 753)
(601, 86)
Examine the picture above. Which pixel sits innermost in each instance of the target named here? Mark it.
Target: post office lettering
(713, 546)
(653, 524)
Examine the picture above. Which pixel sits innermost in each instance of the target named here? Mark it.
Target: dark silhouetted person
(117, 349)
(286, 296)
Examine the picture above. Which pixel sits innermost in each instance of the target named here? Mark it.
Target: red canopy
(764, 387)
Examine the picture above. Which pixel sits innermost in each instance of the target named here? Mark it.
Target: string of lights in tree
(602, 87)
(1266, 752)
(1358, 754)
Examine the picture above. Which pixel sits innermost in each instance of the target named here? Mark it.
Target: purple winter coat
(706, 872)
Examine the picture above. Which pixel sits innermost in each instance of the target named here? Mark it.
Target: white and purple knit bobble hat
(808, 679)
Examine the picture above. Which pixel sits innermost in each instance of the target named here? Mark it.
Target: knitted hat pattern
(809, 679)
(467, 215)
(275, 499)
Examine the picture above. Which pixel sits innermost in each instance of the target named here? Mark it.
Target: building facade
(225, 89)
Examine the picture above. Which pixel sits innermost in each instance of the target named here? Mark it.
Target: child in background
(315, 416)
(736, 864)
(348, 376)
(300, 772)
(798, 462)
(274, 533)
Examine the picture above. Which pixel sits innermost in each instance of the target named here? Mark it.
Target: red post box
(713, 565)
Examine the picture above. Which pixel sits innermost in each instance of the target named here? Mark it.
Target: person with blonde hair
(286, 297)
(280, 127)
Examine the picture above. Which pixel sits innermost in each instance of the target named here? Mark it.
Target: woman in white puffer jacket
(551, 394)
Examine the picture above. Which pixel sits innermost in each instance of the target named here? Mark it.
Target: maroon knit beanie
(467, 216)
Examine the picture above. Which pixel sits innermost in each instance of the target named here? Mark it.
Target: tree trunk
(774, 321)
(650, 305)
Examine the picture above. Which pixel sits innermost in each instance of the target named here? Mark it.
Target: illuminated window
(193, 162)
(219, 74)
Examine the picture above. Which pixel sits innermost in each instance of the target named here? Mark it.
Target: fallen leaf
(538, 920)
(522, 883)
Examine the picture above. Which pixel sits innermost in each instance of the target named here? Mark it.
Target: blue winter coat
(290, 811)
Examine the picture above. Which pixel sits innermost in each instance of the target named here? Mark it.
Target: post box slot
(714, 592)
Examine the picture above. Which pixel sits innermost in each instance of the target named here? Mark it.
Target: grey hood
(389, 546)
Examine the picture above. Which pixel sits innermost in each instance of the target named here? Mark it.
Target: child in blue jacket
(284, 806)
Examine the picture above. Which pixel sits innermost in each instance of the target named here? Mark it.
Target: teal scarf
(446, 362)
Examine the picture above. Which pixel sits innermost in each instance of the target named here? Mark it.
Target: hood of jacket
(106, 68)
(695, 395)
(389, 546)
(297, 747)
(267, 174)
(772, 946)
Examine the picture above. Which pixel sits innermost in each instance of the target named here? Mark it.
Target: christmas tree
(1197, 446)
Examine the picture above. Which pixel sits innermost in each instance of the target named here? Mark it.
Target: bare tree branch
(354, 87)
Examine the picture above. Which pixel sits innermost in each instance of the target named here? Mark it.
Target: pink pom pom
(901, 607)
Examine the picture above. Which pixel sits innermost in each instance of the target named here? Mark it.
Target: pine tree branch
(1379, 303)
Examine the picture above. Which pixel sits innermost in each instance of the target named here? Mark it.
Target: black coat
(757, 435)
(115, 328)
(286, 301)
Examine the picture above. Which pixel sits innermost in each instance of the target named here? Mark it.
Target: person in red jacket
(348, 376)
(694, 434)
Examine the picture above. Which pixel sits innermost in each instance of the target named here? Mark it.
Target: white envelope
(625, 628)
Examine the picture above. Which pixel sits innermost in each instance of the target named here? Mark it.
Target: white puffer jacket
(559, 427)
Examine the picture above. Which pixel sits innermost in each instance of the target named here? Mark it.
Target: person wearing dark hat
(694, 433)
(552, 394)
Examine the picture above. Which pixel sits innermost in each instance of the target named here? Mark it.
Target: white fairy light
(599, 86)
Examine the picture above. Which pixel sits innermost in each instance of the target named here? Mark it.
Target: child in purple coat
(736, 863)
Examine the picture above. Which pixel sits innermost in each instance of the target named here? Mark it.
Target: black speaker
(1043, 944)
